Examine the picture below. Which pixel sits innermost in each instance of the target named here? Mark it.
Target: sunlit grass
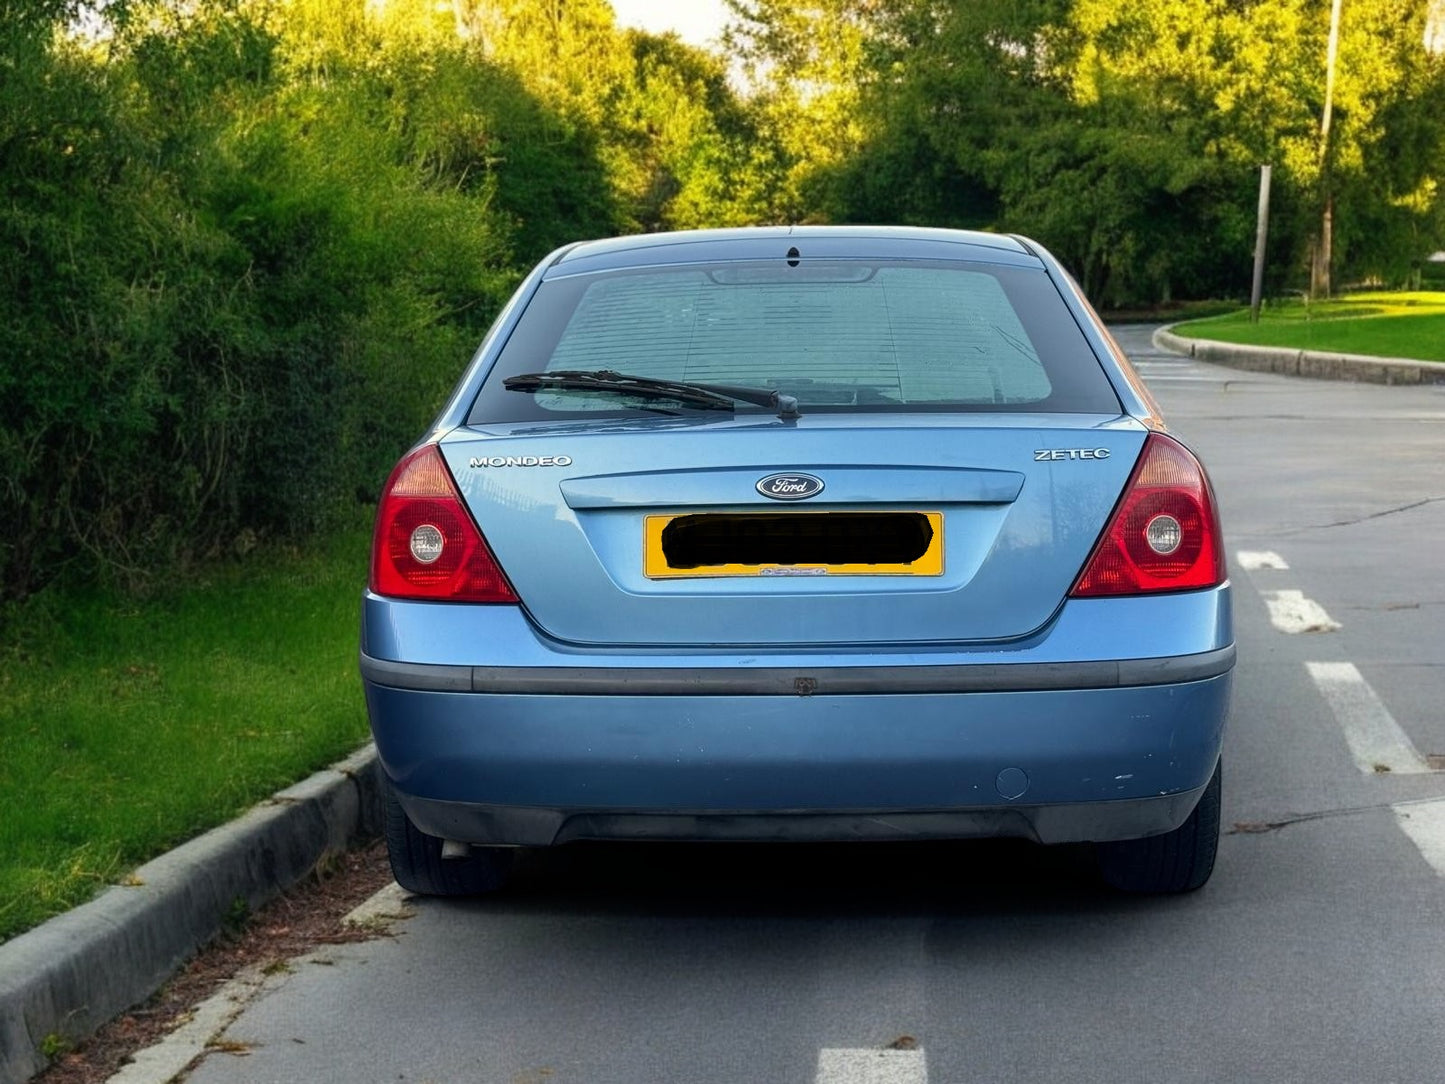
(128, 726)
(1385, 324)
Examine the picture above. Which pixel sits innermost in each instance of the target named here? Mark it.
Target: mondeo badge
(520, 461)
(790, 487)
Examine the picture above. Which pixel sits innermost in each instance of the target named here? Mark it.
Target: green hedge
(237, 275)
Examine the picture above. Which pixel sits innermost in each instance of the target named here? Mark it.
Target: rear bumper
(1050, 765)
(546, 743)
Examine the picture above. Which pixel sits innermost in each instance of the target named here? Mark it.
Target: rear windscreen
(838, 336)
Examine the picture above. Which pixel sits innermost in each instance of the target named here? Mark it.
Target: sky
(696, 21)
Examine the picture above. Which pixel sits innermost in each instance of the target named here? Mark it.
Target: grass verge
(129, 726)
(1392, 325)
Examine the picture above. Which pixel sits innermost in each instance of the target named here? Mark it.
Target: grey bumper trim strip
(795, 681)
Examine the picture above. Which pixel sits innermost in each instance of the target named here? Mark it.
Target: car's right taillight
(426, 545)
(1164, 534)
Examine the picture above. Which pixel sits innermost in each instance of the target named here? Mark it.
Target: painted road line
(1161, 378)
(385, 908)
(1253, 560)
(1290, 611)
(1424, 823)
(1376, 740)
(167, 1059)
(842, 1065)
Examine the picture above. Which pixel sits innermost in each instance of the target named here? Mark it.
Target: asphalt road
(1317, 952)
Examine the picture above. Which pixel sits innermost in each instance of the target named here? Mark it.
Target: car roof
(778, 242)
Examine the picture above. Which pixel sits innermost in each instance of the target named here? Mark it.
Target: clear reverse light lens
(1163, 534)
(427, 543)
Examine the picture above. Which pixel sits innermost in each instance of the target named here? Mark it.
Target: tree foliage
(1125, 136)
(245, 245)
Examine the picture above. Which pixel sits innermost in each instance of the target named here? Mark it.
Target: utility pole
(1261, 236)
(1323, 254)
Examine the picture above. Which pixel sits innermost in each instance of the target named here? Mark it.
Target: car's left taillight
(426, 545)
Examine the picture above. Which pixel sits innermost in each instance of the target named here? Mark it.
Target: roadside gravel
(64, 980)
(307, 916)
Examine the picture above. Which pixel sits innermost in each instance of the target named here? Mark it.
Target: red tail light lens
(1164, 534)
(426, 545)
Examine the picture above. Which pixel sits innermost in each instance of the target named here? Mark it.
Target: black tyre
(1178, 861)
(418, 865)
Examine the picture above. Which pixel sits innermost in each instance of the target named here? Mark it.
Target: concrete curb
(1310, 363)
(64, 979)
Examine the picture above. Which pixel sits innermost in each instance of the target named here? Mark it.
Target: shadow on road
(706, 880)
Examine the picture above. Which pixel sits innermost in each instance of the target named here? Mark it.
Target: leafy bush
(242, 257)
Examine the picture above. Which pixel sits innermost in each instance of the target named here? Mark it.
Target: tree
(1127, 137)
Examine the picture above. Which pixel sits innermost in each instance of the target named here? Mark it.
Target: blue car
(798, 534)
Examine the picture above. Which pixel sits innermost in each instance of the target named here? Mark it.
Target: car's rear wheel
(418, 865)
(1178, 861)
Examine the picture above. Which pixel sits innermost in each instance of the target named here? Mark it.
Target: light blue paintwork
(820, 753)
(770, 242)
(1035, 542)
(895, 752)
(1017, 534)
(1083, 630)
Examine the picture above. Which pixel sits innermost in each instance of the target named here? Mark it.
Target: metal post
(1320, 285)
(1261, 236)
(1332, 51)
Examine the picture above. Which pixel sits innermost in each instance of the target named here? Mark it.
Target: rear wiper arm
(708, 396)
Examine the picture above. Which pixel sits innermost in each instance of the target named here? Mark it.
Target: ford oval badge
(790, 487)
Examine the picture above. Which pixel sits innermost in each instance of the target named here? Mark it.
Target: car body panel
(1162, 626)
(779, 754)
(773, 242)
(1016, 531)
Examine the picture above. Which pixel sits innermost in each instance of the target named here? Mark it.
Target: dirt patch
(307, 916)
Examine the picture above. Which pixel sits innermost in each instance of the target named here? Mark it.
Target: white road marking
(385, 907)
(841, 1065)
(1252, 560)
(1424, 823)
(167, 1059)
(1290, 611)
(1376, 740)
(1161, 378)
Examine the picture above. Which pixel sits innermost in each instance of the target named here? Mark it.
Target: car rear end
(967, 587)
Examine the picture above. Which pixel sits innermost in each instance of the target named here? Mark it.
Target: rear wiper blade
(708, 396)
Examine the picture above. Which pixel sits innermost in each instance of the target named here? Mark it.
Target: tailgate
(965, 529)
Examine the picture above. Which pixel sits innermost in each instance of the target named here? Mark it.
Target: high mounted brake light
(426, 545)
(1164, 534)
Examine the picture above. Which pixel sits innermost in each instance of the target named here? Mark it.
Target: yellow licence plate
(793, 543)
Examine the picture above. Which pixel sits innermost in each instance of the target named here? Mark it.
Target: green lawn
(1395, 325)
(128, 726)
